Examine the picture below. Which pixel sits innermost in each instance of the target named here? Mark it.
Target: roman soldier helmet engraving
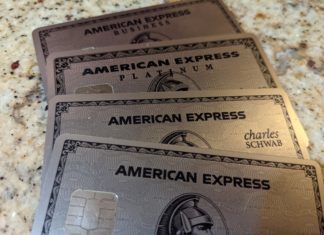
(190, 219)
(191, 214)
(185, 138)
(172, 81)
(149, 37)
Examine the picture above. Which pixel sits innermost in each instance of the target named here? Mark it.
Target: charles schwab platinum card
(106, 186)
(224, 62)
(162, 22)
(237, 120)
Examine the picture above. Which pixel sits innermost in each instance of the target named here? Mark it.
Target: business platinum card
(237, 120)
(234, 61)
(162, 22)
(106, 186)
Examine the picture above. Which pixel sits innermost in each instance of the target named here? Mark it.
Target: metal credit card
(162, 22)
(107, 186)
(224, 62)
(236, 120)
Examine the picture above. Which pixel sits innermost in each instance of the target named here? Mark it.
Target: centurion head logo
(149, 37)
(173, 81)
(185, 138)
(191, 214)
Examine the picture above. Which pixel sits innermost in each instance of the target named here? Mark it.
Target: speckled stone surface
(290, 31)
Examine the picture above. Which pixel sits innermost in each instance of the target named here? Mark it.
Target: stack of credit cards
(170, 120)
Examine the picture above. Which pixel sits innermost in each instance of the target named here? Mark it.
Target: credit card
(234, 61)
(257, 121)
(107, 186)
(157, 23)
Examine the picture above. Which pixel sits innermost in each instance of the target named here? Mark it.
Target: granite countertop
(291, 32)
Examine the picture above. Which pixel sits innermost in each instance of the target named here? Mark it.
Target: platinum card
(183, 19)
(106, 186)
(256, 121)
(234, 61)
